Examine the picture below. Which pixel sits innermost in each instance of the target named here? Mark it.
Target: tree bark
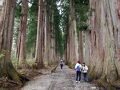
(40, 37)
(72, 42)
(6, 34)
(49, 41)
(52, 38)
(102, 41)
(22, 35)
(80, 40)
(47, 34)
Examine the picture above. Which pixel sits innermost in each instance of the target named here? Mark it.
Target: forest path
(60, 80)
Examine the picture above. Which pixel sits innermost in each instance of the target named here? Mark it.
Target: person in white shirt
(78, 71)
(84, 71)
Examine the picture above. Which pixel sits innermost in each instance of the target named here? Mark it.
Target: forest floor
(59, 80)
(28, 73)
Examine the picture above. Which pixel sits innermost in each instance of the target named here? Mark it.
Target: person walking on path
(84, 71)
(78, 71)
(61, 63)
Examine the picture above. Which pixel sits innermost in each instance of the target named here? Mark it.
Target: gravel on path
(62, 79)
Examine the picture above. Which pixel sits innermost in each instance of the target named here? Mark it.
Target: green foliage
(32, 25)
(31, 32)
(64, 22)
(82, 11)
(17, 22)
(16, 32)
(2, 55)
(57, 30)
(18, 11)
(60, 21)
(83, 26)
(82, 14)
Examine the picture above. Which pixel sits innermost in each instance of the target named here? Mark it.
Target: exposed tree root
(103, 81)
(6, 82)
(106, 85)
(116, 84)
(10, 75)
(91, 73)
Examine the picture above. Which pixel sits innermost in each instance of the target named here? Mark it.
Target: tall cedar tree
(6, 25)
(22, 35)
(40, 37)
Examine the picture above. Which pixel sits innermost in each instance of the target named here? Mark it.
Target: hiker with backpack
(84, 72)
(78, 68)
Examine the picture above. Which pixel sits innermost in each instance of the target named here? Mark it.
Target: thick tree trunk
(45, 35)
(72, 42)
(6, 33)
(49, 39)
(48, 35)
(40, 37)
(102, 41)
(80, 46)
(22, 35)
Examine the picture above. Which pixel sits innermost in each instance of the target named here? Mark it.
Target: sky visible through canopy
(1, 2)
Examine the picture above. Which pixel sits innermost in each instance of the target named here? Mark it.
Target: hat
(78, 61)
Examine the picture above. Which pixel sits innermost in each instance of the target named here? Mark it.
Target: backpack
(78, 68)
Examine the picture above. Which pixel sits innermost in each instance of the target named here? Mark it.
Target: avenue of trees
(45, 31)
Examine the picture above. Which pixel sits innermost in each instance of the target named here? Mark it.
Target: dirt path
(60, 80)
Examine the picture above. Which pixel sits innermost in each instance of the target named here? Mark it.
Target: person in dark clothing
(61, 64)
